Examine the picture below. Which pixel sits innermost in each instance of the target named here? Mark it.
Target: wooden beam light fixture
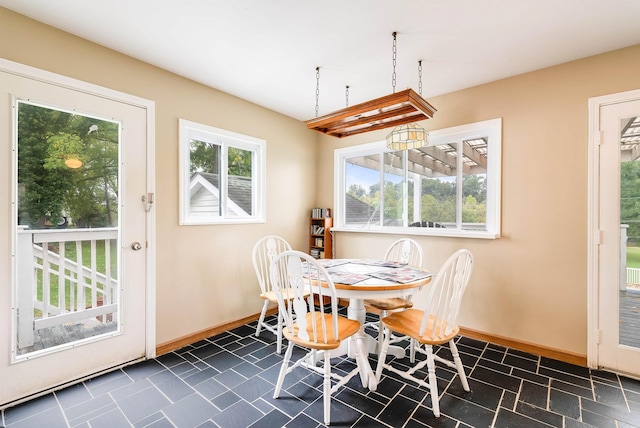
(398, 108)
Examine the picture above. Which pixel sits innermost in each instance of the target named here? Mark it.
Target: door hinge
(599, 237)
(599, 337)
(599, 137)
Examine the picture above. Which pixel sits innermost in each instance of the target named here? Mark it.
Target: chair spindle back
(445, 294)
(294, 274)
(405, 250)
(264, 251)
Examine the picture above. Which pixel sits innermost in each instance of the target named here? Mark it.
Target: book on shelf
(317, 230)
(319, 242)
(320, 212)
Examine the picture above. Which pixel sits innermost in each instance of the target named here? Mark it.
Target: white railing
(633, 276)
(43, 269)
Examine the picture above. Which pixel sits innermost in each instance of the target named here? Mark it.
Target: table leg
(356, 311)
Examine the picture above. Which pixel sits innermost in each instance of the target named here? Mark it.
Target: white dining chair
(264, 251)
(319, 329)
(435, 324)
(408, 251)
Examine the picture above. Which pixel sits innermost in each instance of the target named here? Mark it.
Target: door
(73, 286)
(619, 249)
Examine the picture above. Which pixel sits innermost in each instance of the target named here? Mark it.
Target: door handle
(136, 246)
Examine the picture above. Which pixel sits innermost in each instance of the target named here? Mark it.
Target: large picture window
(449, 188)
(221, 177)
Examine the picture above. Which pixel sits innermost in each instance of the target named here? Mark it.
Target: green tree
(356, 190)
(48, 188)
(476, 186)
(239, 162)
(630, 199)
(472, 211)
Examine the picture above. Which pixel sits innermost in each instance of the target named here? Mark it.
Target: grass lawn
(70, 252)
(633, 257)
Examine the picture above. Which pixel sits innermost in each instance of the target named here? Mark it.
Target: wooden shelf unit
(320, 238)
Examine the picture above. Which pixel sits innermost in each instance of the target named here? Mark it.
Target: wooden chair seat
(407, 323)
(390, 304)
(346, 328)
(271, 296)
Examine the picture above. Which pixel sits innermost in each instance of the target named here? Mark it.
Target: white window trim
(189, 130)
(491, 128)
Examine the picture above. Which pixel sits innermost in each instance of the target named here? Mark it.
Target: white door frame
(593, 219)
(149, 106)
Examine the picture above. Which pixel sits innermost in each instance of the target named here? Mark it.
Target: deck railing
(633, 276)
(42, 269)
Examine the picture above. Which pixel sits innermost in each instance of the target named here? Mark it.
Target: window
(449, 188)
(222, 177)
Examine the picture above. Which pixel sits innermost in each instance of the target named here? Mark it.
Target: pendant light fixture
(393, 110)
(411, 135)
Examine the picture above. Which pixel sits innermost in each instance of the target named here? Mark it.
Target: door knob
(136, 246)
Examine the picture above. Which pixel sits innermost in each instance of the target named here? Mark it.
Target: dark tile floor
(228, 381)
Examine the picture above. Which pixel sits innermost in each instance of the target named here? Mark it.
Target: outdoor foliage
(50, 193)
(630, 200)
(205, 157)
(438, 202)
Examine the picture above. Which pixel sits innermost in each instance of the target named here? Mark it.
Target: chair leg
(383, 352)
(433, 383)
(459, 366)
(283, 370)
(380, 330)
(327, 388)
(261, 319)
(412, 350)
(279, 335)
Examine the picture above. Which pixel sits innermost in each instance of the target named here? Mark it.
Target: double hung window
(451, 187)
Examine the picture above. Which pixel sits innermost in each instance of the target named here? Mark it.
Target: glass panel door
(67, 227)
(618, 249)
(73, 270)
(629, 300)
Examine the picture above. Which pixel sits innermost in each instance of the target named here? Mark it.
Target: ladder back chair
(316, 327)
(403, 250)
(436, 324)
(264, 251)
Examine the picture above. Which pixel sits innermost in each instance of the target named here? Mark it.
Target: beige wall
(531, 284)
(204, 273)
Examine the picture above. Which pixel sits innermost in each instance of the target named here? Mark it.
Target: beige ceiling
(266, 51)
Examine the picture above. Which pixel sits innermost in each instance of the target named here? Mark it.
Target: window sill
(421, 231)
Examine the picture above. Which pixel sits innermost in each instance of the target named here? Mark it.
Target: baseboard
(180, 342)
(543, 351)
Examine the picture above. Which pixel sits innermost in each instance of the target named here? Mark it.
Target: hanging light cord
(420, 77)
(346, 94)
(317, 88)
(395, 54)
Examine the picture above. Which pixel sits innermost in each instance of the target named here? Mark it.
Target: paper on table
(401, 275)
(347, 277)
(327, 263)
(382, 263)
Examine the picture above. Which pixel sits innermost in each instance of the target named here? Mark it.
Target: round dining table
(361, 279)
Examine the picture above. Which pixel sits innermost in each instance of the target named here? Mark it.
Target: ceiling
(266, 51)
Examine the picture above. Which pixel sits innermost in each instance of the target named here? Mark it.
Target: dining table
(356, 280)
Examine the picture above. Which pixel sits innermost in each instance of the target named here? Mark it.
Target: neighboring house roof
(238, 190)
(356, 211)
